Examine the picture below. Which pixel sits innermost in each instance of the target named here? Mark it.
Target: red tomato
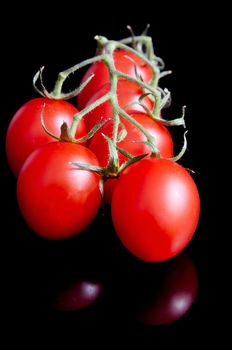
(132, 143)
(173, 295)
(109, 187)
(127, 92)
(101, 74)
(25, 132)
(155, 209)
(79, 296)
(57, 199)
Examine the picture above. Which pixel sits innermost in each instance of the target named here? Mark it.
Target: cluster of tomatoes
(154, 201)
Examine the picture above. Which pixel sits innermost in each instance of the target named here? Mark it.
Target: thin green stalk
(109, 61)
(62, 76)
(154, 67)
(149, 137)
(155, 92)
(77, 117)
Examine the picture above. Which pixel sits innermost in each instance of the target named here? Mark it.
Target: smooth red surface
(127, 92)
(174, 294)
(101, 74)
(132, 143)
(25, 132)
(57, 199)
(155, 209)
(109, 187)
(79, 296)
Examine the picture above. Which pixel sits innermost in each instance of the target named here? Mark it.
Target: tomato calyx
(113, 168)
(66, 133)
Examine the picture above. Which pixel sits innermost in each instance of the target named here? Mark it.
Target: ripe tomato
(132, 143)
(127, 92)
(155, 209)
(57, 199)
(101, 74)
(172, 296)
(25, 132)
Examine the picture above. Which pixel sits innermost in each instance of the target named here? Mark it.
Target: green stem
(109, 61)
(147, 41)
(77, 117)
(154, 67)
(155, 92)
(62, 76)
(144, 51)
(149, 137)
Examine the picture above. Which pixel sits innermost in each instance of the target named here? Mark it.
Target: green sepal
(132, 161)
(122, 134)
(166, 100)
(44, 126)
(96, 169)
(113, 165)
(173, 122)
(75, 92)
(124, 153)
(44, 91)
(182, 151)
(92, 132)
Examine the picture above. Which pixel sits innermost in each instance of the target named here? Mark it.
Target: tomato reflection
(78, 296)
(174, 294)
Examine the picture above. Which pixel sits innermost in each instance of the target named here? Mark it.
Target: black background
(188, 39)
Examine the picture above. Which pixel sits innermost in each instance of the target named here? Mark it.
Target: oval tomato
(25, 132)
(127, 92)
(155, 209)
(125, 62)
(133, 142)
(57, 199)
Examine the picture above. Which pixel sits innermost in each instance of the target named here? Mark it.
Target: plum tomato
(155, 209)
(57, 199)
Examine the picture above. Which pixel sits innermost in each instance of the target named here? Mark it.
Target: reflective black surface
(126, 298)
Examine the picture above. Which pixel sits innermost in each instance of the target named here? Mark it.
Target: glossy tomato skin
(57, 199)
(25, 132)
(127, 92)
(155, 209)
(133, 142)
(101, 74)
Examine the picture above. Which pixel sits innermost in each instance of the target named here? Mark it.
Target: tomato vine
(142, 47)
